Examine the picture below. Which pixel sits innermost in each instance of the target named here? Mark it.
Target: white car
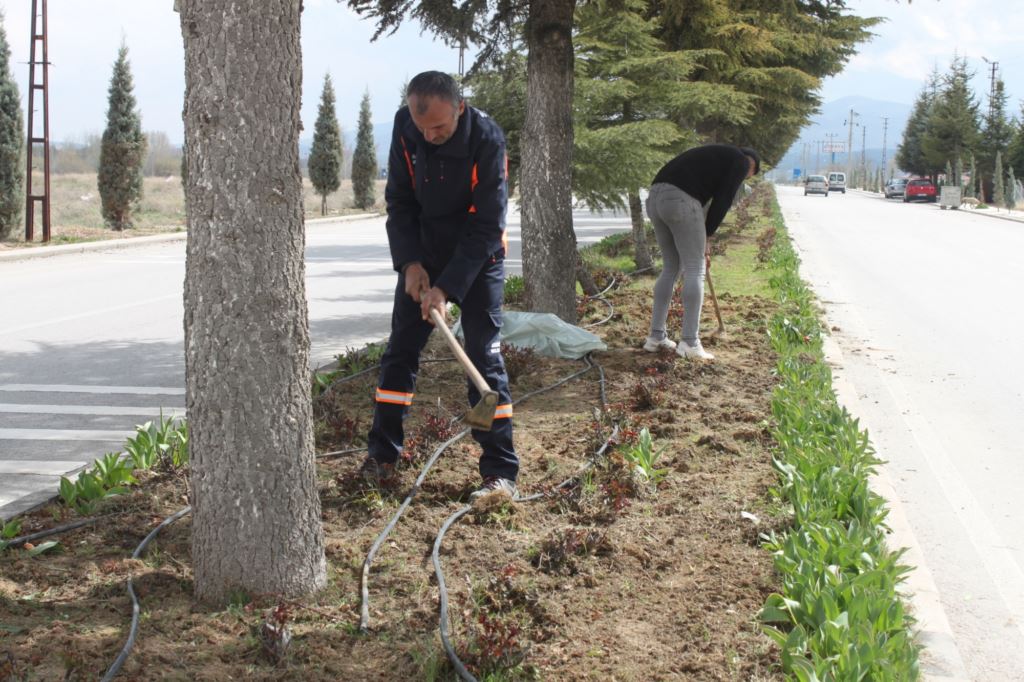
(837, 182)
(816, 184)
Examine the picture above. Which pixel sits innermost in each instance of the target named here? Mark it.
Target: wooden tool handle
(714, 299)
(460, 354)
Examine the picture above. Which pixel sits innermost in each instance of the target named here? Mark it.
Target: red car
(920, 189)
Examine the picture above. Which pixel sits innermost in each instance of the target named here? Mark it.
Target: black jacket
(446, 204)
(714, 171)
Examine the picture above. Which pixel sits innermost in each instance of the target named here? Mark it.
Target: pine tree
(910, 153)
(364, 160)
(1011, 189)
(626, 83)
(12, 137)
(998, 190)
(776, 52)
(325, 157)
(947, 178)
(997, 130)
(958, 172)
(123, 149)
(953, 121)
(1015, 152)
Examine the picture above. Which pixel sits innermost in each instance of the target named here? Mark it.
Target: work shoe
(653, 345)
(377, 473)
(694, 352)
(495, 484)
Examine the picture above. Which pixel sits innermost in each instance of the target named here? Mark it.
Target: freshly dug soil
(612, 578)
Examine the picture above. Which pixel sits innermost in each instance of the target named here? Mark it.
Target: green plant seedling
(644, 457)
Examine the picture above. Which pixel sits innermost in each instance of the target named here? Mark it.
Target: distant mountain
(830, 124)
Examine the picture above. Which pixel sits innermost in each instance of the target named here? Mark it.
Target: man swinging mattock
(447, 192)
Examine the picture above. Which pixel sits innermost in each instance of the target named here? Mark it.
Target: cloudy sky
(84, 36)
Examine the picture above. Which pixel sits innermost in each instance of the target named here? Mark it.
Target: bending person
(676, 205)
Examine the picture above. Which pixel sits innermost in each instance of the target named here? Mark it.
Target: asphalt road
(91, 343)
(925, 306)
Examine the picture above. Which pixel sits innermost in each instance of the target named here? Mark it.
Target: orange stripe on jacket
(474, 180)
(503, 411)
(408, 161)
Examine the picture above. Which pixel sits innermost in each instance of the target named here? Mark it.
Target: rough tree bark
(256, 514)
(641, 254)
(549, 242)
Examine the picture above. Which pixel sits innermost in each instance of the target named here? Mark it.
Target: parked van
(837, 182)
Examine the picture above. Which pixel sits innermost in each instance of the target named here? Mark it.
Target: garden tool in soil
(720, 332)
(481, 415)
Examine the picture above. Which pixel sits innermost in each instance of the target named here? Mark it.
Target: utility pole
(817, 156)
(885, 130)
(992, 86)
(849, 143)
(863, 157)
(38, 36)
(832, 148)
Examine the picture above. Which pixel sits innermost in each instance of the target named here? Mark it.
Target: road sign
(796, 172)
(834, 147)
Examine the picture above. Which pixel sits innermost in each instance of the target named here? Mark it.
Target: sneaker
(377, 473)
(495, 484)
(653, 345)
(694, 352)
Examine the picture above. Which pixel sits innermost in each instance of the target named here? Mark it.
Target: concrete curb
(941, 657)
(30, 252)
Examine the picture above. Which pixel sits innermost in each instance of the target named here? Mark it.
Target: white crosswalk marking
(91, 409)
(63, 434)
(85, 388)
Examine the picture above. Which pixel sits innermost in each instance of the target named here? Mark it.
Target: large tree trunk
(641, 254)
(549, 242)
(256, 514)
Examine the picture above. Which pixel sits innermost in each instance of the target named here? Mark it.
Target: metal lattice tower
(38, 40)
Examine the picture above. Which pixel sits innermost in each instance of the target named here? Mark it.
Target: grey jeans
(678, 222)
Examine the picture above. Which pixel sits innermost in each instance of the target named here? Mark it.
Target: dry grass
(76, 217)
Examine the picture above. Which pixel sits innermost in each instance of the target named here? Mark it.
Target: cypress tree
(12, 137)
(948, 177)
(122, 150)
(958, 172)
(969, 187)
(364, 159)
(998, 193)
(1011, 189)
(326, 155)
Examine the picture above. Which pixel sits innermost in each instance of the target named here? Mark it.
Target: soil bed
(612, 579)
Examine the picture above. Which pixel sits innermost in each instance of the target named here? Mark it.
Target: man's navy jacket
(446, 204)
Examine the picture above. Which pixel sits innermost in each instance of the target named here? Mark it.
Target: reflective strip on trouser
(394, 397)
(481, 325)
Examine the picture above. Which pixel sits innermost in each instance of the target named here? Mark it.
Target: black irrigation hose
(364, 616)
(460, 667)
(340, 453)
(611, 313)
(32, 537)
(457, 663)
(133, 629)
(435, 556)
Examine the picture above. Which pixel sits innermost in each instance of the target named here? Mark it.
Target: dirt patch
(613, 578)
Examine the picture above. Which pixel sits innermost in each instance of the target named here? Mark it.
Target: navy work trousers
(481, 328)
